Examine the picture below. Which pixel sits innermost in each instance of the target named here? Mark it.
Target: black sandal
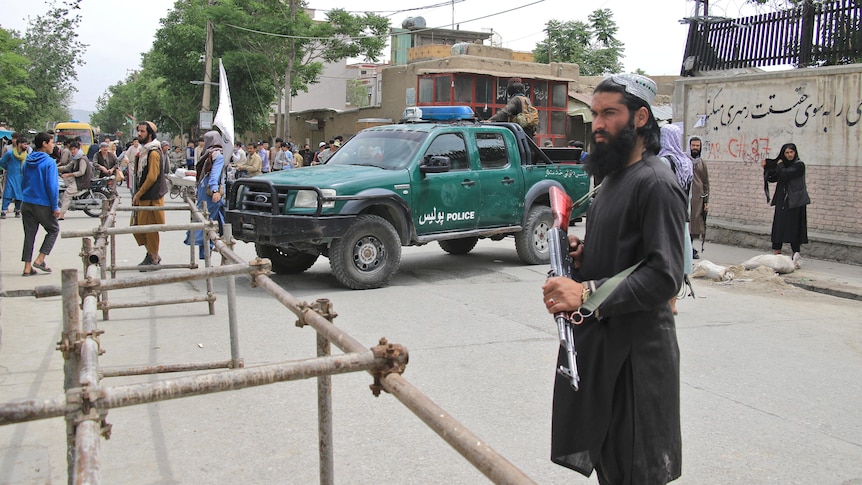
(30, 273)
(42, 266)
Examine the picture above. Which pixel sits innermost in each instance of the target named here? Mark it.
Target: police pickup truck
(441, 176)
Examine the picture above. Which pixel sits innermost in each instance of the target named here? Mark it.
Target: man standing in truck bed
(624, 422)
(518, 103)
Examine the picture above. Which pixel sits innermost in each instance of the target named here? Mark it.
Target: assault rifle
(561, 265)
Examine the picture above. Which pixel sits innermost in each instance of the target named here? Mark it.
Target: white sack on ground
(779, 263)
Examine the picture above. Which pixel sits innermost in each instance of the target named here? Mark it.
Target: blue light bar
(439, 113)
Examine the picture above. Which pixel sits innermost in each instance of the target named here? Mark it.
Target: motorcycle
(90, 200)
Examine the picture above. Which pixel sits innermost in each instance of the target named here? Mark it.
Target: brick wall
(736, 195)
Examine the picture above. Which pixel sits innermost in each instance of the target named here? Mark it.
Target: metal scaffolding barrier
(87, 400)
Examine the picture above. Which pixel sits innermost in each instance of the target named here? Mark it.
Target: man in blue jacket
(40, 205)
(13, 163)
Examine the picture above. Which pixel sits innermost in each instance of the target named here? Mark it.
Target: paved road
(771, 375)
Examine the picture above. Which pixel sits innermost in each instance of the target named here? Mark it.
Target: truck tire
(368, 254)
(96, 211)
(285, 261)
(459, 246)
(532, 242)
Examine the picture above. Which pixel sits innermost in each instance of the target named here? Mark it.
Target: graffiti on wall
(742, 148)
(746, 121)
(802, 109)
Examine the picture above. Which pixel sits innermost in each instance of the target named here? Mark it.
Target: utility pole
(453, 14)
(288, 74)
(208, 68)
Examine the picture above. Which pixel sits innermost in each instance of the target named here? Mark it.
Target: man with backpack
(519, 109)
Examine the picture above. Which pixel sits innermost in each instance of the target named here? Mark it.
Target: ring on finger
(551, 301)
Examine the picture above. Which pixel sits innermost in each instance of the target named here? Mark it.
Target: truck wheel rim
(368, 253)
(540, 237)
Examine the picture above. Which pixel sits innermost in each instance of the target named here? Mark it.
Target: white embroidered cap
(640, 86)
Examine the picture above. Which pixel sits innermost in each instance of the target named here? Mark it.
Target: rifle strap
(586, 197)
(603, 292)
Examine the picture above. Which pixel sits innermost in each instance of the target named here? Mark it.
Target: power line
(393, 12)
(286, 36)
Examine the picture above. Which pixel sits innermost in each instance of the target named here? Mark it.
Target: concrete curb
(839, 290)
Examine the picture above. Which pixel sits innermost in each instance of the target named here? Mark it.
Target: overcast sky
(118, 31)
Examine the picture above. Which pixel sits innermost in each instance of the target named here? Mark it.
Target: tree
(357, 93)
(592, 45)
(267, 46)
(15, 96)
(51, 44)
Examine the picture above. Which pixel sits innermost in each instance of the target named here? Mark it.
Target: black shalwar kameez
(625, 419)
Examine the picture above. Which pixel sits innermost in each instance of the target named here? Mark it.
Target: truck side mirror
(435, 164)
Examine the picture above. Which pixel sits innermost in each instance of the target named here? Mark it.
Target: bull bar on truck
(274, 227)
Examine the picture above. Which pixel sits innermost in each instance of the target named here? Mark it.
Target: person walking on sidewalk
(13, 163)
(150, 189)
(41, 205)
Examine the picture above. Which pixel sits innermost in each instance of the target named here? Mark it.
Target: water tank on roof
(413, 23)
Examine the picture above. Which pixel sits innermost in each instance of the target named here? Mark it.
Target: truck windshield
(387, 149)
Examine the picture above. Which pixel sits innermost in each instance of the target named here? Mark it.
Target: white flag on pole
(224, 116)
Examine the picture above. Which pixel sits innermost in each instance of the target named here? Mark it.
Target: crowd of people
(142, 164)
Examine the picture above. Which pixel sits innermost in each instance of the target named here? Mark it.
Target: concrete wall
(744, 119)
(330, 92)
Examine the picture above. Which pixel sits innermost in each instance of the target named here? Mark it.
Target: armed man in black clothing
(624, 422)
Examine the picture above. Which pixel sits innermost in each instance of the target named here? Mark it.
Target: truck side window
(450, 145)
(492, 150)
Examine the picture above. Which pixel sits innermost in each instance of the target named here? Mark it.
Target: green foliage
(357, 93)
(592, 45)
(51, 44)
(263, 44)
(15, 96)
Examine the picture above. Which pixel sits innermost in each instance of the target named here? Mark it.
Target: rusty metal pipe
(114, 397)
(88, 468)
(24, 410)
(130, 395)
(492, 464)
(150, 208)
(324, 419)
(165, 278)
(336, 336)
(162, 369)
(71, 363)
(233, 327)
(135, 229)
(197, 299)
(136, 267)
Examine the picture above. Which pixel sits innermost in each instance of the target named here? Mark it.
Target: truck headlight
(307, 199)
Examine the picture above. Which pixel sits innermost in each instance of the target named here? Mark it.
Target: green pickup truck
(404, 185)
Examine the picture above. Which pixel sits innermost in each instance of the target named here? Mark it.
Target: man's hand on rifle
(576, 250)
(562, 294)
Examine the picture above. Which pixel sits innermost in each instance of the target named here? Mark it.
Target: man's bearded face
(612, 152)
(695, 149)
(143, 135)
